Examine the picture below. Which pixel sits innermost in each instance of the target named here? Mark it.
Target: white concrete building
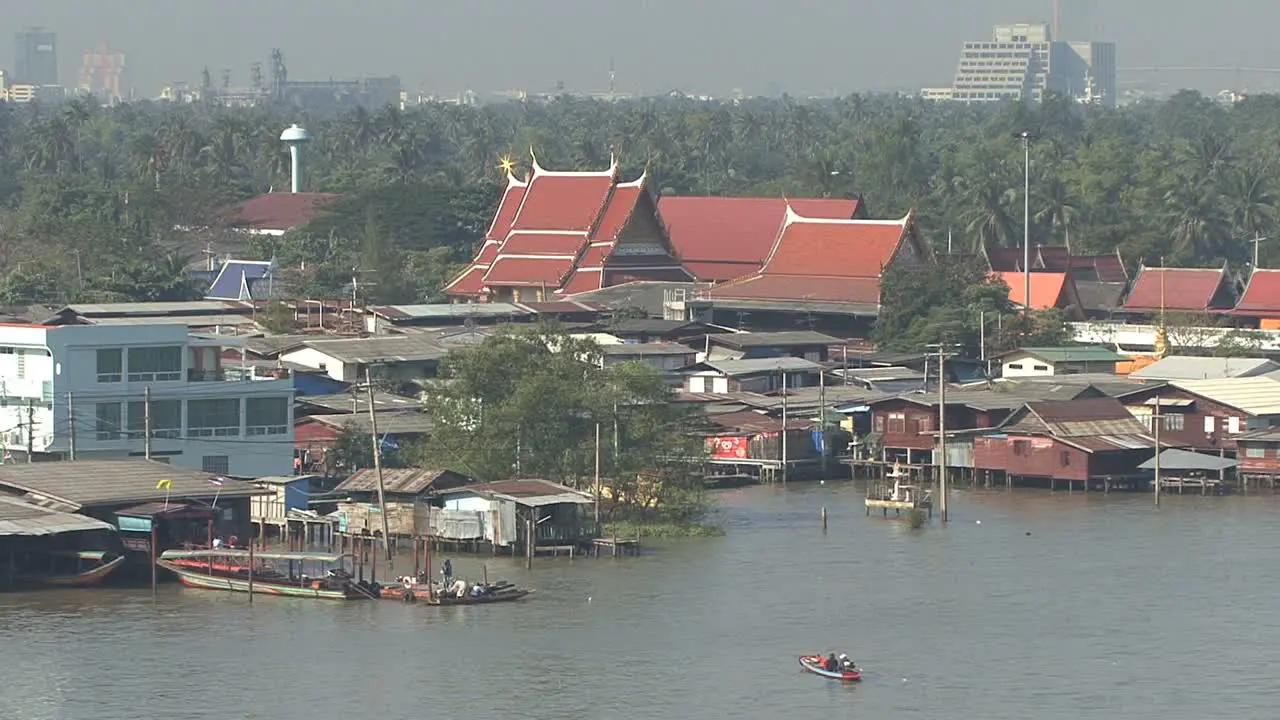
(112, 375)
(1023, 61)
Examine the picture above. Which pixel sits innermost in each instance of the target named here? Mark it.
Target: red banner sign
(728, 448)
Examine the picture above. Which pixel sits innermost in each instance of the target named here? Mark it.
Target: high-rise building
(102, 73)
(36, 57)
(1024, 61)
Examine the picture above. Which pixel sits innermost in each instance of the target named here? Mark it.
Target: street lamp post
(1026, 219)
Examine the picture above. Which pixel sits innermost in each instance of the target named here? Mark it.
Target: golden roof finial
(506, 164)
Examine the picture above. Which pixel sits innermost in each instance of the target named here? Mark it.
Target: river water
(1028, 605)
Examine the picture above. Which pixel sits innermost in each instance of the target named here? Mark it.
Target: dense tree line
(90, 198)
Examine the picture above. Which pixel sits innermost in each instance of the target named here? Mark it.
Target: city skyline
(812, 48)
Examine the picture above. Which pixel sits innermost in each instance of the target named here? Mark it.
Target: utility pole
(1156, 422)
(1257, 240)
(597, 488)
(71, 421)
(943, 485)
(1026, 220)
(31, 430)
(822, 415)
(377, 463)
(146, 422)
(784, 427)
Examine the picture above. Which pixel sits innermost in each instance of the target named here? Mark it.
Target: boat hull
(84, 579)
(205, 581)
(813, 664)
(420, 594)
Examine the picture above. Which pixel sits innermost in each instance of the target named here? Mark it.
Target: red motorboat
(815, 664)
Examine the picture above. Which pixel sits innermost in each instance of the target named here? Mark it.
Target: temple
(826, 269)
(560, 233)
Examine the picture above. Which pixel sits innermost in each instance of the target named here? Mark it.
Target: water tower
(295, 137)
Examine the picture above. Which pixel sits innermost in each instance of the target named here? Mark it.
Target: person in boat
(446, 572)
(831, 664)
(845, 663)
(217, 543)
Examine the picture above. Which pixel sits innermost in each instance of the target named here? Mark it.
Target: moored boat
(75, 568)
(292, 574)
(814, 664)
(427, 593)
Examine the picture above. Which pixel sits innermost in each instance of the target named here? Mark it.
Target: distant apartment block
(35, 57)
(102, 74)
(1024, 61)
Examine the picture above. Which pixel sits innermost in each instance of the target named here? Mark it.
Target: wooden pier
(894, 494)
(616, 547)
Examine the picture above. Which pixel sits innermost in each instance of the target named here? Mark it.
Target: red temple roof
(548, 272)
(507, 209)
(1179, 290)
(543, 243)
(825, 260)
(568, 201)
(1261, 296)
(1046, 288)
(573, 218)
(721, 238)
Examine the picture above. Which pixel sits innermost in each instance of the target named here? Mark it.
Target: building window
(107, 421)
(1255, 452)
(897, 423)
(166, 419)
(1040, 367)
(878, 424)
(1015, 366)
(46, 393)
(110, 365)
(155, 364)
(213, 418)
(924, 424)
(22, 363)
(1066, 458)
(216, 464)
(1173, 421)
(266, 416)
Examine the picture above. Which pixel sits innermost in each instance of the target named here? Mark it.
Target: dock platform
(615, 546)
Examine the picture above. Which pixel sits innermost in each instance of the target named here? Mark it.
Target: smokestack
(295, 137)
(1056, 27)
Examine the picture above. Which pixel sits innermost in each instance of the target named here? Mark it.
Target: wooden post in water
(154, 557)
(824, 519)
(532, 540)
(1157, 422)
(252, 542)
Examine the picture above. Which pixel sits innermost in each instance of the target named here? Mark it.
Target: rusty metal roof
(754, 422)
(21, 518)
(528, 492)
(403, 481)
(89, 483)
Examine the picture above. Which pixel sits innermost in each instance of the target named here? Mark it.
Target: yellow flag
(164, 484)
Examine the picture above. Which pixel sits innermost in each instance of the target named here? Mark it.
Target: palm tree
(1197, 225)
(1250, 204)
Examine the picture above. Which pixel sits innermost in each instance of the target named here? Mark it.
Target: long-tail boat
(292, 574)
(429, 594)
(75, 568)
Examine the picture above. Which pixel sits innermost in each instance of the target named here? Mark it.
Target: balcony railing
(206, 375)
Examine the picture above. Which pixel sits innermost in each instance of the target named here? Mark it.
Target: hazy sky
(800, 46)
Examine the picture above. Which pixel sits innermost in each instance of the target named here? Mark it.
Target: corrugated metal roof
(158, 308)
(402, 481)
(359, 402)
(21, 518)
(1180, 367)
(1175, 459)
(88, 483)
(528, 492)
(449, 310)
(773, 339)
(389, 423)
(1080, 353)
(1253, 395)
(754, 422)
(754, 366)
(653, 348)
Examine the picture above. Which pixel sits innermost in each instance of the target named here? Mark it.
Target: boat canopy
(236, 553)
